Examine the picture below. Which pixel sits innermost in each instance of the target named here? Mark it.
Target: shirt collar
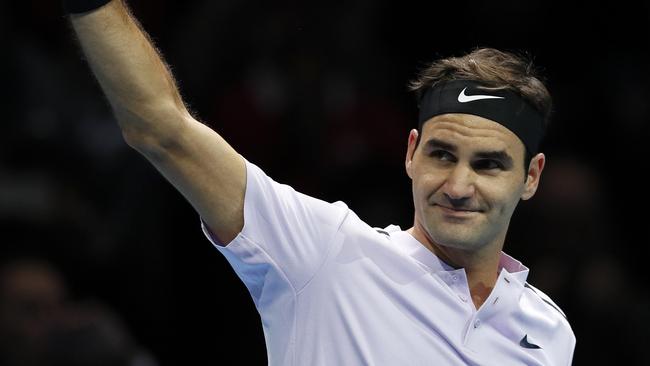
(434, 264)
(514, 267)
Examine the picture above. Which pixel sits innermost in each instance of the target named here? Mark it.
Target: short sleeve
(285, 233)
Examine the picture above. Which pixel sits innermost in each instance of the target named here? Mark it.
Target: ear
(534, 173)
(410, 151)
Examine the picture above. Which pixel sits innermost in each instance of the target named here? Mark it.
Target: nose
(459, 185)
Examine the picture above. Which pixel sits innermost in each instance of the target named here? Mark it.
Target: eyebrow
(500, 155)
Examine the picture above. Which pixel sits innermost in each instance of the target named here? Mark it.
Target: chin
(455, 241)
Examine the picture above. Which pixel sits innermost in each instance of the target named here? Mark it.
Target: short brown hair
(496, 69)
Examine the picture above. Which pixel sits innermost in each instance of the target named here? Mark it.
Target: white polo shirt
(332, 290)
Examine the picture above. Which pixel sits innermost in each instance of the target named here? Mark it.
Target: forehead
(470, 132)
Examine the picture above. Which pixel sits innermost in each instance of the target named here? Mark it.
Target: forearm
(193, 157)
(131, 73)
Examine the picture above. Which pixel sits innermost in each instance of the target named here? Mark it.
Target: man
(330, 289)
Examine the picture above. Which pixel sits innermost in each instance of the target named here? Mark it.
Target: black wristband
(82, 6)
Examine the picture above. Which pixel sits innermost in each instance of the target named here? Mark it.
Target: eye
(488, 164)
(442, 155)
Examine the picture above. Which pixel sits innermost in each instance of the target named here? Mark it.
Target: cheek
(418, 192)
(505, 199)
(425, 183)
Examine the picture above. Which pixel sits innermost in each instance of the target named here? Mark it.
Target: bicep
(207, 171)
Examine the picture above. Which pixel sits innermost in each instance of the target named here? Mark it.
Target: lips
(456, 210)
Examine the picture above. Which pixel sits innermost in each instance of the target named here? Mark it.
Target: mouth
(456, 211)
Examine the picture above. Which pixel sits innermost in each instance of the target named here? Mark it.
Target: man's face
(468, 177)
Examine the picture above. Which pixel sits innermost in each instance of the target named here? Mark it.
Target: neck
(481, 266)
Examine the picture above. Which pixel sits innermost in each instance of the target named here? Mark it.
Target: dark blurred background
(99, 246)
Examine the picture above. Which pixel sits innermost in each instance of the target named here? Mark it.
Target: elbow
(155, 135)
(154, 148)
(142, 142)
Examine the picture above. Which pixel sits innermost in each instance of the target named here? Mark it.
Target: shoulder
(355, 232)
(546, 320)
(546, 301)
(388, 230)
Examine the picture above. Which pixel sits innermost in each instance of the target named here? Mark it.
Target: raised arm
(154, 120)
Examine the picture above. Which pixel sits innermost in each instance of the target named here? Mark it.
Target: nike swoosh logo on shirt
(464, 98)
(524, 343)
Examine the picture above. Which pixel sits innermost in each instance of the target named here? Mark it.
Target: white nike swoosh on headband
(463, 98)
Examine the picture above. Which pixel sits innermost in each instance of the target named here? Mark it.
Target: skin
(200, 164)
(464, 199)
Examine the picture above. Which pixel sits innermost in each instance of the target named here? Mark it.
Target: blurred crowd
(103, 260)
(40, 325)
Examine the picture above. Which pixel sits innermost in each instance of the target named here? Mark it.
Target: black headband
(502, 106)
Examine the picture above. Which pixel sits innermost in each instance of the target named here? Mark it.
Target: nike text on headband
(500, 105)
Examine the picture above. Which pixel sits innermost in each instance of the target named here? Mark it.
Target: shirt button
(454, 278)
(477, 323)
(463, 297)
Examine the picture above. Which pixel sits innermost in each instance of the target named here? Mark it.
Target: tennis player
(330, 289)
